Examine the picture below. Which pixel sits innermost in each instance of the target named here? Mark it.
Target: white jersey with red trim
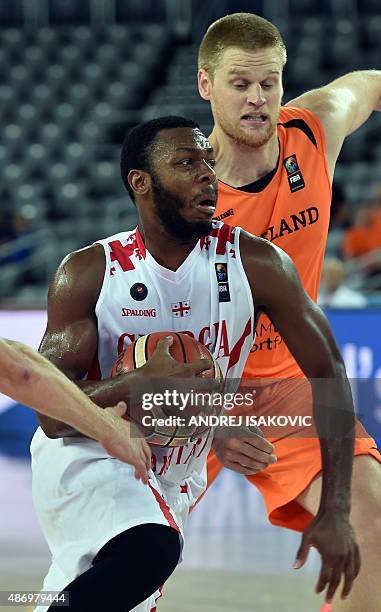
(207, 297)
(84, 497)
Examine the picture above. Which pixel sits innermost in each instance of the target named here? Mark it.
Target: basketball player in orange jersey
(113, 539)
(275, 166)
(29, 378)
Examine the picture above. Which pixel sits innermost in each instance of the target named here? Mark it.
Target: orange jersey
(292, 211)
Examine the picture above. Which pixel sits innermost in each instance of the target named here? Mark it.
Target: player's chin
(192, 227)
(256, 137)
(201, 227)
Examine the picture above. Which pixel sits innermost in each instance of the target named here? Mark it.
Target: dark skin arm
(71, 337)
(278, 292)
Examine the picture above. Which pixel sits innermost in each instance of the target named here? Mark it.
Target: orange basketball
(184, 349)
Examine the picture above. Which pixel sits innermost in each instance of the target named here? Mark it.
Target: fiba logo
(223, 282)
(222, 272)
(294, 175)
(291, 164)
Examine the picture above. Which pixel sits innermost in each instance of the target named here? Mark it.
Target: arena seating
(63, 90)
(70, 91)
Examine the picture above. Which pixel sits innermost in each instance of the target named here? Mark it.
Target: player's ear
(204, 84)
(140, 181)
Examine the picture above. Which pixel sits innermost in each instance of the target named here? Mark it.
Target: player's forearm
(359, 94)
(333, 409)
(54, 395)
(104, 393)
(108, 391)
(74, 408)
(29, 378)
(370, 87)
(335, 422)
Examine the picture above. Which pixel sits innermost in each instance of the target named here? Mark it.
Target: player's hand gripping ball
(163, 426)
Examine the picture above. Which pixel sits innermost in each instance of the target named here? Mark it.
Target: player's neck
(238, 164)
(166, 250)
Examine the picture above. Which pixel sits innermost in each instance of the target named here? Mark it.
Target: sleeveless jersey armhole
(317, 127)
(245, 281)
(106, 276)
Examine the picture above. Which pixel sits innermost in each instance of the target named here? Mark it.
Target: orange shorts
(298, 463)
(297, 451)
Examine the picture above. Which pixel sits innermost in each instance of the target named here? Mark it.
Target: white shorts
(84, 498)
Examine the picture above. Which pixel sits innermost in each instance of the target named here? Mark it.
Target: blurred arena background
(74, 77)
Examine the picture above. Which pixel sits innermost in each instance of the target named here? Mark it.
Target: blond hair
(242, 30)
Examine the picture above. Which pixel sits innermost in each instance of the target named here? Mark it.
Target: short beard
(242, 137)
(168, 207)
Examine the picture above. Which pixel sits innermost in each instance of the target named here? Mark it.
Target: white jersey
(207, 297)
(84, 497)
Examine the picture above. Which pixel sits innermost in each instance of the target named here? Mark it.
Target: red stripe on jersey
(122, 254)
(157, 598)
(164, 508)
(205, 240)
(237, 348)
(140, 244)
(225, 234)
(94, 372)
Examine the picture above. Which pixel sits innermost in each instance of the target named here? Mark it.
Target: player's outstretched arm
(343, 106)
(278, 292)
(71, 337)
(29, 378)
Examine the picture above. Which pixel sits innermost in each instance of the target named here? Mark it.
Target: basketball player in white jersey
(29, 378)
(113, 540)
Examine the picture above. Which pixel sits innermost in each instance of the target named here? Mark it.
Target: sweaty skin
(29, 378)
(187, 176)
(70, 341)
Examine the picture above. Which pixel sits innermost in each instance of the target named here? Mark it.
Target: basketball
(185, 349)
